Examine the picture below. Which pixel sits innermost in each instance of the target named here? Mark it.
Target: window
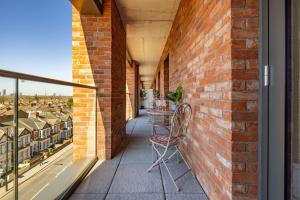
(20, 156)
(2, 149)
(27, 139)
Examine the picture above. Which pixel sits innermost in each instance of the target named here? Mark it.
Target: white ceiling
(148, 23)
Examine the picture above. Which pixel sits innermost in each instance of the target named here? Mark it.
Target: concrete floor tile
(99, 180)
(136, 142)
(137, 155)
(182, 196)
(135, 196)
(87, 197)
(133, 178)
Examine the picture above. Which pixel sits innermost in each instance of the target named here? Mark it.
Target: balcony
(210, 48)
(126, 177)
(55, 171)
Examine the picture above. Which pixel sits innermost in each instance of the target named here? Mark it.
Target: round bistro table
(158, 113)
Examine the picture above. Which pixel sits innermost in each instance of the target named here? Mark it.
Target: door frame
(274, 115)
(263, 126)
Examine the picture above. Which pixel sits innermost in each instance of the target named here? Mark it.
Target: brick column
(100, 61)
(244, 35)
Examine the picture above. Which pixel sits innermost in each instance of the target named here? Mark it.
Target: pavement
(34, 180)
(125, 177)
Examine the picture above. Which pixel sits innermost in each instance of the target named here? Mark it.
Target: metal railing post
(16, 125)
(6, 166)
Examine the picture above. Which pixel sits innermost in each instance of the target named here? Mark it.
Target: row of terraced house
(36, 133)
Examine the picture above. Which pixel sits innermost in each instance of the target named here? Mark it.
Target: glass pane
(48, 161)
(7, 135)
(295, 143)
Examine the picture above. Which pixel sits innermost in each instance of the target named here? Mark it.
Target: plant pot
(173, 107)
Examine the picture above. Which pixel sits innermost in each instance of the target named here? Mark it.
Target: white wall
(149, 99)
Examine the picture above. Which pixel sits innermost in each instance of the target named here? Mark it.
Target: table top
(160, 112)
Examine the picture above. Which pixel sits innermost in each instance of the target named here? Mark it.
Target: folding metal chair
(179, 124)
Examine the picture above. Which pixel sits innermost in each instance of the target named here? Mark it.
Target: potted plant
(143, 95)
(175, 97)
(156, 94)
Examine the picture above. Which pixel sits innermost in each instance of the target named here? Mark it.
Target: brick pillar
(166, 77)
(137, 89)
(99, 60)
(244, 97)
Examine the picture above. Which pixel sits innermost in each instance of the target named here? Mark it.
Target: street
(31, 187)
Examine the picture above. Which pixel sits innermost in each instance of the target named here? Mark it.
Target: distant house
(55, 122)
(6, 142)
(40, 133)
(24, 136)
(6, 146)
(66, 124)
(8, 116)
(66, 127)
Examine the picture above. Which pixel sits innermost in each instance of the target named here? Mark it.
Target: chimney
(34, 114)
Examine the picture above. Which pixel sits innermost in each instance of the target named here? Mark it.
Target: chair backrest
(180, 120)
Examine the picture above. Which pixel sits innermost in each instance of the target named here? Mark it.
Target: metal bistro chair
(179, 124)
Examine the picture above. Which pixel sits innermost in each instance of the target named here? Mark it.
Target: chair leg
(152, 153)
(190, 169)
(172, 155)
(172, 178)
(153, 130)
(158, 160)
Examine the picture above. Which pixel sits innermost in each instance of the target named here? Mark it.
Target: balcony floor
(125, 177)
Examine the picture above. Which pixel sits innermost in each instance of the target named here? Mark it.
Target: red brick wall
(98, 61)
(213, 55)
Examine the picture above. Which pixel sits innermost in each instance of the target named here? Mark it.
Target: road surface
(35, 184)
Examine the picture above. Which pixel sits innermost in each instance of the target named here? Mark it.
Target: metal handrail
(17, 75)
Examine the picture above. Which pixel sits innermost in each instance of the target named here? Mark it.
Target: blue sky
(36, 37)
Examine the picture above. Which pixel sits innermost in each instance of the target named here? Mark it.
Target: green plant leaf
(175, 96)
(171, 96)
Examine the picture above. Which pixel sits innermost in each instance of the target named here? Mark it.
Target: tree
(37, 99)
(2, 99)
(70, 103)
